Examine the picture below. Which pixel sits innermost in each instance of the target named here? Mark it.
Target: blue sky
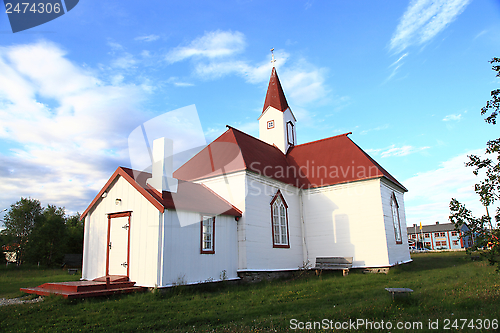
(408, 78)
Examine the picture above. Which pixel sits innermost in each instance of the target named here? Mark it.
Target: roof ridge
(253, 137)
(245, 162)
(122, 171)
(198, 153)
(385, 173)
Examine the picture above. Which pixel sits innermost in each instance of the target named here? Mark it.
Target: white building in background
(245, 205)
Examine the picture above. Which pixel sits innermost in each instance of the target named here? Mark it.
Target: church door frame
(116, 215)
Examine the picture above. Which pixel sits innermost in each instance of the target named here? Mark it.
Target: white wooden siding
(232, 187)
(346, 220)
(182, 261)
(144, 234)
(256, 224)
(398, 253)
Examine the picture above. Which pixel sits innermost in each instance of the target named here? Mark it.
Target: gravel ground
(19, 300)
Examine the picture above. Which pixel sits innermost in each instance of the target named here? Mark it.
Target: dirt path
(19, 300)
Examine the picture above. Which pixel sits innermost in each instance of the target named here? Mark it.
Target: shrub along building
(244, 206)
(437, 237)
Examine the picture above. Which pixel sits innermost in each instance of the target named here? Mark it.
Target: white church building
(246, 205)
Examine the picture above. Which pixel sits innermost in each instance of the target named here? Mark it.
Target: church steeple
(277, 122)
(275, 96)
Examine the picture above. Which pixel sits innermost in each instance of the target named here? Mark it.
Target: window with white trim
(279, 220)
(208, 235)
(395, 219)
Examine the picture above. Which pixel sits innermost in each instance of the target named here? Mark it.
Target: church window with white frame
(395, 219)
(207, 235)
(279, 219)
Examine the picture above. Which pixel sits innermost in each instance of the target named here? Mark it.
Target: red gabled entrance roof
(189, 196)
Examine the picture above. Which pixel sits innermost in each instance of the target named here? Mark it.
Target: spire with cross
(272, 55)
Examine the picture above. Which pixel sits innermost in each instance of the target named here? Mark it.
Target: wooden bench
(333, 263)
(399, 291)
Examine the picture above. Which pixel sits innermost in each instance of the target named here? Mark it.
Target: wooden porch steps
(81, 289)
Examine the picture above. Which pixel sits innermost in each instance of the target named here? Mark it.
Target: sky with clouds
(407, 78)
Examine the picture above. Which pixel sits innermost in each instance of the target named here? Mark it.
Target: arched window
(279, 220)
(290, 133)
(395, 219)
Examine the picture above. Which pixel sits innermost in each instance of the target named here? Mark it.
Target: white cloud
(395, 67)
(69, 128)
(396, 151)
(399, 60)
(115, 46)
(401, 151)
(213, 56)
(429, 193)
(304, 83)
(211, 45)
(453, 117)
(252, 73)
(378, 128)
(124, 62)
(149, 38)
(423, 20)
(215, 70)
(178, 83)
(183, 84)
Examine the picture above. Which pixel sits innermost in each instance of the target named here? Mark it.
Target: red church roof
(336, 160)
(189, 196)
(275, 96)
(320, 163)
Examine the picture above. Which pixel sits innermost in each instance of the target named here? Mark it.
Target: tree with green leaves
(19, 223)
(493, 105)
(48, 240)
(3, 247)
(41, 235)
(484, 230)
(75, 234)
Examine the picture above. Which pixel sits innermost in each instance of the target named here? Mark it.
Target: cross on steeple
(272, 55)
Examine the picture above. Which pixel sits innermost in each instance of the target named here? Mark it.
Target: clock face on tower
(270, 124)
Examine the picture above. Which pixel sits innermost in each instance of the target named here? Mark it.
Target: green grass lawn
(12, 278)
(446, 286)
